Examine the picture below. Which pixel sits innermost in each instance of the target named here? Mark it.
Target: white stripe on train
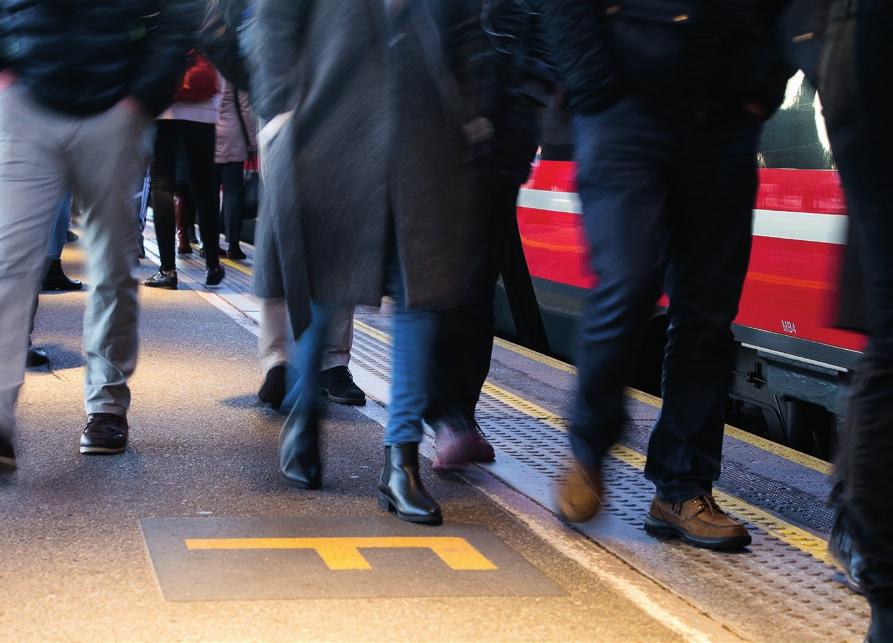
(777, 224)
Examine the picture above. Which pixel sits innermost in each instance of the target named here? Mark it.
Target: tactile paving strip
(774, 591)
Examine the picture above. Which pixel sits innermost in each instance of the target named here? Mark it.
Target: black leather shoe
(272, 391)
(400, 488)
(843, 549)
(104, 434)
(56, 280)
(235, 253)
(36, 357)
(299, 463)
(338, 385)
(7, 455)
(164, 279)
(213, 276)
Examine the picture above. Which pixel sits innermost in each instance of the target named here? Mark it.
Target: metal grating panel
(774, 591)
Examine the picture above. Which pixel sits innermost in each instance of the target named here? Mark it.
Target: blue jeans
(414, 332)
(59, 232)
(667, 205)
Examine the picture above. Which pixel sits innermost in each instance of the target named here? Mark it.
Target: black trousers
(198, 150)
(232, 178)
(667, 205)
(856, 99)
(464, 341)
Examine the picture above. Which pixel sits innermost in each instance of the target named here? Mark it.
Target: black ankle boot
(299, 462)
(400, 488)
(55, 279)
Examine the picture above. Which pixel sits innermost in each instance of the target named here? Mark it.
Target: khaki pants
(43, 155)
(273, 341)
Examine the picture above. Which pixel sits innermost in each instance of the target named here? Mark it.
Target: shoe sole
(161, 287)
(102, 450)
(385, 504)
(666, 531)
(303, 486)
(347, 401)
(7, 465)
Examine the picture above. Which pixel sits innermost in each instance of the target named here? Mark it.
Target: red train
(792, 366)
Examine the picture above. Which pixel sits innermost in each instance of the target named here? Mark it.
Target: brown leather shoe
(699, 522)
(579, 495)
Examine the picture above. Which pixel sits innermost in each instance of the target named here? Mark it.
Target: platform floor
(105, 548)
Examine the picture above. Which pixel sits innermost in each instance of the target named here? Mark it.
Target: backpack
(200, 83)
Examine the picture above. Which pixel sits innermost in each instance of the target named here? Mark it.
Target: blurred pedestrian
(190, 122)
(843, 58)
(236, 143)
(668, 102)
(80, 120)
(520, 81)
(55, 279)
(371, 190)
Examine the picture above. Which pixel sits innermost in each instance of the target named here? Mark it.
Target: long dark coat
(374, 154)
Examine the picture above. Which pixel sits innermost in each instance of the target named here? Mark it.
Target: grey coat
(373, 155)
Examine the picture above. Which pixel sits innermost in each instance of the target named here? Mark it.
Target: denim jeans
(666, 203)
(59, 232)
(856, 107)
(412, 357)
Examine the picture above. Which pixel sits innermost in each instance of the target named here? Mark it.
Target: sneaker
(36, 357)
(578, 495)
(213, 276)
(105, 433)
(699, 522)
(458, 442)
(7, 455)
(164, 279)
(337, 384)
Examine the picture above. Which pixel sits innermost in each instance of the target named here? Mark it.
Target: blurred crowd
(381, 145)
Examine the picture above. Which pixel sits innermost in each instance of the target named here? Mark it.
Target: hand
(8, 78)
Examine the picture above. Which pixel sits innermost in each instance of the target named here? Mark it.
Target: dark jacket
(82, 57)
(374, 150)
(678, 55)
(219, 39)
(521, 86)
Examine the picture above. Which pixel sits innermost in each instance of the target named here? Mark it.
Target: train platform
(191, 535)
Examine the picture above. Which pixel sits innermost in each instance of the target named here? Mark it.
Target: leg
(339, 340)
(60, 230)
(198, 140)
(623, 186)
(164, 167)
(708, 251)
(273, 339)
(32, 182)
(232, 177)
(108, 159)
(860, 134)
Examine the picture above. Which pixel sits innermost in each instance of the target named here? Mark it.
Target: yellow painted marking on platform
(372, 332)
(341, 554)
(536, 357)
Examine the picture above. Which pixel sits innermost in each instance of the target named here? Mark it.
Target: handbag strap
(241, 118)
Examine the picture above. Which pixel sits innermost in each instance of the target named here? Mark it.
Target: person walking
(520, 81)
(55, 279)
(370, 188)
(236, 143)
(668, 101)
(849, 40)
(188, 126)
(80, 124)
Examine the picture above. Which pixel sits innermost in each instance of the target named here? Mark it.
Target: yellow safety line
(233, 264)
(781, 451)
(780, 529)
